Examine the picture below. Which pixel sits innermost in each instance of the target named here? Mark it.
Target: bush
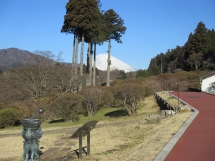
(148, 91)
(9, 116)
(96, 98)
(130, 95)
(43, 103)
(67, 106)
(133, 81)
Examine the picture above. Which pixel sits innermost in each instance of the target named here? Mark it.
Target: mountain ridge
(13, 57)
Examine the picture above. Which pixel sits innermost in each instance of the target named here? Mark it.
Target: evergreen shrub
(9, 117)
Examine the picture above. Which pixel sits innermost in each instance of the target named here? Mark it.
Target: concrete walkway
(61, 148)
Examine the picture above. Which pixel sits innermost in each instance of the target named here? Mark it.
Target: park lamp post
(161, 86)
(97, 80)
(178, 93)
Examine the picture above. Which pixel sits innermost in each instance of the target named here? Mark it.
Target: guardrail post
(80, 146)
(88, 143)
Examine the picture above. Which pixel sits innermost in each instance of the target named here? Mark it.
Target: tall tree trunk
(73, 56)
(90, 60)
(94, 66)
(82, 56)
(88, 57)
(76, 56)
(89, 65)
(108, 64)
(81, 61)
(197, 67)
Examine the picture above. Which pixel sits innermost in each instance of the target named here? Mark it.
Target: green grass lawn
(105, 114)
(108, 114)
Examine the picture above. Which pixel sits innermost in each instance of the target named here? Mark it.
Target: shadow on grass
(56, 121)
(117, 113)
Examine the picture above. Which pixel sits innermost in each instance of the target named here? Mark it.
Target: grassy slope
(114, 142)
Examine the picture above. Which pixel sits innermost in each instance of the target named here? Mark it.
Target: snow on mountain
(101, 63)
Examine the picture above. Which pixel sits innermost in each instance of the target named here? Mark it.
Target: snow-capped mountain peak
(101, 63)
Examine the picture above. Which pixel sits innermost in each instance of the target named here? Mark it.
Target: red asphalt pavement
(198, 141)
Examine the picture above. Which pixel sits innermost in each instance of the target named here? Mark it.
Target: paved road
(198, 141)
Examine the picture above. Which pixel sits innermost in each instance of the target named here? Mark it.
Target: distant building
(208, 83)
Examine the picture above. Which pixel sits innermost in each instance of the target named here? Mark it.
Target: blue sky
(153, 26)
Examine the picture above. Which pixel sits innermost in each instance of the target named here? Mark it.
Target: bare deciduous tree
(95, 98)
(45, 77)
(130, 95)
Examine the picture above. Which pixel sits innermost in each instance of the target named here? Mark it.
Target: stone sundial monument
(31, 133)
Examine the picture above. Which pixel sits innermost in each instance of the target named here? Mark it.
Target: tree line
(89, 24)
(51, 86)
(197, 54)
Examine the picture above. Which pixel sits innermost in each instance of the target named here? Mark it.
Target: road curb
(169, 146)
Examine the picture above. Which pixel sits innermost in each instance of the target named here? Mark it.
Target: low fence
(165, 107)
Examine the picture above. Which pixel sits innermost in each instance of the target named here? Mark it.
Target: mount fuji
(101, 63)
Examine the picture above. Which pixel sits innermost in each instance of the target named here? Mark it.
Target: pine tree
(70, 26)
(114, 28)
(82, 19)
(197, 46)
(153, 68)
(142, 73)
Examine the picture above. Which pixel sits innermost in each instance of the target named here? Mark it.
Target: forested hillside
(198, 53)
(12, 57)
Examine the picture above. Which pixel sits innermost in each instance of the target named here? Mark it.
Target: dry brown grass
(135, 141)
(12, 147)
(124, 142)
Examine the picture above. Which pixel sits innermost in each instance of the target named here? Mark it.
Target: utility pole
(178, 94)
(161, 67)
